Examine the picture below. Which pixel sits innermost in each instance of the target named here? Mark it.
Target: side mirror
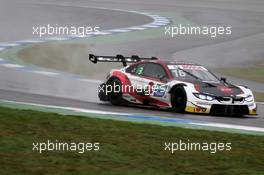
(223, 79)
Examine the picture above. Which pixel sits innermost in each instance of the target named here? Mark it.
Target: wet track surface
(58, 101)
(61, 91)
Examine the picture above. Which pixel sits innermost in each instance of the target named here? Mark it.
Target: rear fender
(121, 76)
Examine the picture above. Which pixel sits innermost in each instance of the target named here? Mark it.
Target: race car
(176, 85)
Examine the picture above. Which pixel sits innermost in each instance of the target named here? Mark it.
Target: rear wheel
(115, 96)
(178, 99)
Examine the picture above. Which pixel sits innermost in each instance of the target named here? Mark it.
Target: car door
(146, 79)
(155, 78)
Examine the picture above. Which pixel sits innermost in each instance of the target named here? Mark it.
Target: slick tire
(102, 93)
(115, 96)
(178, 99)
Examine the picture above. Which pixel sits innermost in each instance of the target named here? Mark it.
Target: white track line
(9, 44)
(56, 39)
(12, 65)
(229, 126)
(46, 73)
(30, 41)
(119, 30)
(90, 81)
(136, 28)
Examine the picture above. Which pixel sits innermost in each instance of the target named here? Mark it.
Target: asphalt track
(64, 90)
(65, 102)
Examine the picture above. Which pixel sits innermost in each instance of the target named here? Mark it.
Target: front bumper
(221, 109)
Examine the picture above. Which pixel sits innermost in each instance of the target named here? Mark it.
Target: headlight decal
(249, 98)
(204, 96)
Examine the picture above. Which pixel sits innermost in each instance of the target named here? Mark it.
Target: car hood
(218, 89)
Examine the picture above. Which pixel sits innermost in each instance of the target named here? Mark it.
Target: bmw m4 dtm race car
(180, 86)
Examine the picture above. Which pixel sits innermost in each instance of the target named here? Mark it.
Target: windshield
(192, 72)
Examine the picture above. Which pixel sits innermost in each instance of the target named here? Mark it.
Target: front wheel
(178, 99)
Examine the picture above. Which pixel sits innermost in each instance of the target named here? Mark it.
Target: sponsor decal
(199, 108)
(192, 67)
(187, 67)
(160, 90)
(172, 66)
(225, 89)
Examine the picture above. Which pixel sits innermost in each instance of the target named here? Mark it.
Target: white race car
(180, 86)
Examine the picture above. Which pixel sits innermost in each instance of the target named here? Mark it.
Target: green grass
(125, 148)
(254, 72)
(259, 96)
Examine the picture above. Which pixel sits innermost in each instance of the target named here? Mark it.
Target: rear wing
(118, 58)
